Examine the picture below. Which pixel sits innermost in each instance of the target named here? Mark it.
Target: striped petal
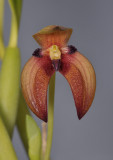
(53, 35)
(34, 81)
(81, 77)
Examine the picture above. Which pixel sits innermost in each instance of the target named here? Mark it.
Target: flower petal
(34, 80)
(53, 35)
(81, 76)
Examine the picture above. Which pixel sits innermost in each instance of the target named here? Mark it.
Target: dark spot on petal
(58, 28)
(72, 49)
(37, 52)
(56, 64)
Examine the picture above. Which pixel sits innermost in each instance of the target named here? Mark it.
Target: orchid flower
(55, 55)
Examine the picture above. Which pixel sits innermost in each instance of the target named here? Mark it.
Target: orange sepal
(53, 35)
(81, 77)
(34, 81)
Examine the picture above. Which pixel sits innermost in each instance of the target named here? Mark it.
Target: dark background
(92, 21)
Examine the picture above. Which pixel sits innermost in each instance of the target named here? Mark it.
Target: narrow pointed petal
(53, 35)
(34, 81)
(81, 76)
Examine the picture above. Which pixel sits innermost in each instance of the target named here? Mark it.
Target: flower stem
(50, 117)
(2, 47)
(44, 138)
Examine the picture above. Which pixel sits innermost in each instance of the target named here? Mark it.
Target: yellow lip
(54, 52)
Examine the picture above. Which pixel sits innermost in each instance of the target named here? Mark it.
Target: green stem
(50, 117)
(2, 47)
(14, 28)
(44, 139)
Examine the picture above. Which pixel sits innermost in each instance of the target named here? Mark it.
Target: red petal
(81, 76)
(53, 35)
(34, 80)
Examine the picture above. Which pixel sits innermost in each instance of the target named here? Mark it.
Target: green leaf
(16, 6)
(9, 87)
(6, 149)
(34, 138)
(21, 120)
(2, 46)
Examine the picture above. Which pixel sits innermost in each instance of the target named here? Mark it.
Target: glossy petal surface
(81, 76)
(34, 80)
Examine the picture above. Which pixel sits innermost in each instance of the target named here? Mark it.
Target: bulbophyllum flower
(55, 55)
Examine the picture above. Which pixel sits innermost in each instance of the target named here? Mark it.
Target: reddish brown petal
(34, 80)
(81, 76)
(53, 35)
